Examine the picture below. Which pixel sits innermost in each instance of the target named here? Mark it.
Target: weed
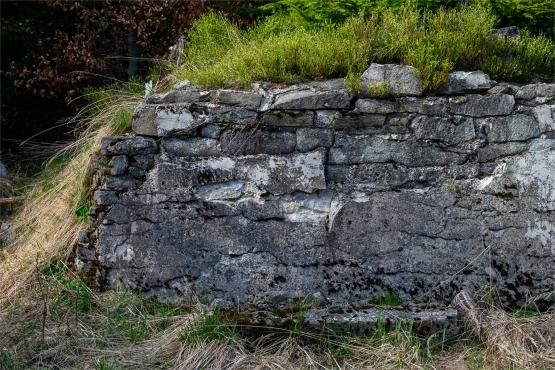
(378, 90)
(7, 361)
(122, 120)
(69, 290)
(209, 328)
(389, 299)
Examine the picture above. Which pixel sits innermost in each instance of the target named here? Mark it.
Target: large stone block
(480, 106)
(318, 95)
(254, 141)
(389, 80)
(364, 149)
(450, 130)
(462, 82)
(284, 174)
(517, 127)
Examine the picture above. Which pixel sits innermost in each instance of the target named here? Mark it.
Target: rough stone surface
(318, 95)
(395, 80)
(310, 196)
(518, 127)
(480, 106)
(193, 147)
(311, 138)
(462, 82)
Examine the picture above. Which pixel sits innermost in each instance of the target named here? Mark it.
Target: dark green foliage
(537, 16)
(534, 15)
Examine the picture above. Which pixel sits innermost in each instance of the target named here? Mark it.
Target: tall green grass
(282, 49)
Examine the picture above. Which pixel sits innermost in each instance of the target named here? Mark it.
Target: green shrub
(282, 48)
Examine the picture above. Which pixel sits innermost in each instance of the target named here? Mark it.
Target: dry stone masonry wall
(250, 197)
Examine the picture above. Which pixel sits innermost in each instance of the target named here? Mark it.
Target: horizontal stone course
(258, 196)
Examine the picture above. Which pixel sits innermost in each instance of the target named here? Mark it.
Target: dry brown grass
(46, 227)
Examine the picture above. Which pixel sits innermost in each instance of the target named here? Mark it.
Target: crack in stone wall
(244, 197)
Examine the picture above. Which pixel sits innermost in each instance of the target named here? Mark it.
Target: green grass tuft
(209, 328)
(281, 48)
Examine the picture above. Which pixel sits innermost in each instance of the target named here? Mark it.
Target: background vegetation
(307, 41)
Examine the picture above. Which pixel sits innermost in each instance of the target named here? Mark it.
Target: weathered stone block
(318, 95)
(375, 106)
(287, 119)
(462, 82)
(226, 190)
(309, 138)
(118, 165)
(480, 106)
(176, 118)
(545, 115)
(247, 99)
(389, 80)
(432, 106)
(494, 151)
(517, 127)
(284, 174)
(192, 147)
(355, 123)
(539, 90)
(254, 141)
(365, 149)
(105, 198)
(449, 130)
(128, 145)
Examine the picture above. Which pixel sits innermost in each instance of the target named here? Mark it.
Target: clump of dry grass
(45, 226)
(526, 342)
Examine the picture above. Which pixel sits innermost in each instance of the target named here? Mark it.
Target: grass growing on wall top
(282, 49)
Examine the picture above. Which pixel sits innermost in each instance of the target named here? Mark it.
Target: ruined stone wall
(243, 197)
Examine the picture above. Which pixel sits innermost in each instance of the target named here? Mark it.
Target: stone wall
(245, 197)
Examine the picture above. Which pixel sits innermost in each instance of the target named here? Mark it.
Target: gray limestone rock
(494, 151)
(226, 190)
(517, 127)
(480, 106)
(462, 82)
(176, 118)
(539, 90)
(105, 198)
(309, 138)
(254, 141)
(128, 145)
(389, 80)
(450, 130)
(247, 99)
(434, 106)
(290, 118)
(284, 174)
(318, 95)
(363, 149)
(118, 165)
(375, 106)
(192, 147)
